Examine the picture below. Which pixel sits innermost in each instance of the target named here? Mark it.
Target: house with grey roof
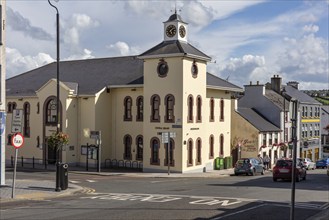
(158, 111)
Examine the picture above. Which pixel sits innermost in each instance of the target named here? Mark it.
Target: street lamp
(283, 93)
(57, 189)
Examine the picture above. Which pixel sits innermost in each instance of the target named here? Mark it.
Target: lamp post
(283, 92)
(57, 189)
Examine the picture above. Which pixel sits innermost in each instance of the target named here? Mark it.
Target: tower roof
(175, 17)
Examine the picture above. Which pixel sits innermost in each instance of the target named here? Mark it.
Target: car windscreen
(242, 161)
(284, 163)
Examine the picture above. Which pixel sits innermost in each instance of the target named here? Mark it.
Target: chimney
(276, 83)
(293, 84)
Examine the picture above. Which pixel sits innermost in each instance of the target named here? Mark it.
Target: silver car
(248, 166)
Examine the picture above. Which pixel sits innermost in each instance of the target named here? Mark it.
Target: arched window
(127, 147)
(11, 106)
(190, 108)
(51, 111)
(221, 110)
(198, 151)
(155, 111)
(212, 110)
(26, 110)
(211, 147)
(155, 144)
(199, 108)
(139, 147)
(171, 153)
(170, 103)
(140, 112)
(190, 153)
(221, 145)
(127, 105)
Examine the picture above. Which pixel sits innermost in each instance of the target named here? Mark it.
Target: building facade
(134, 102)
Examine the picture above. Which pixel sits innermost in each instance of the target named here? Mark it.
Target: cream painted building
(134, 101)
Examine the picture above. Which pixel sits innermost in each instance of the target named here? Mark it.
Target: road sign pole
(168, 152)
(14, 175)
(99, 151)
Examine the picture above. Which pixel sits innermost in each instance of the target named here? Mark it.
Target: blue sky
(247, 40)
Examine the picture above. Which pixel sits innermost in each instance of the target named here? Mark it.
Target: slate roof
(300, 96)
(91, 75)
(175, 48)
(277, 99)
(257, 120)
(214, 81)
(87, 77)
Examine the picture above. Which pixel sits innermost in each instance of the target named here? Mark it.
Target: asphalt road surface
(121, 197)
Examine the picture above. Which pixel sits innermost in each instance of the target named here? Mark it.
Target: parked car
(283, 170)
(322, 163)
(308, 163)
(328, 170)
(248, 166)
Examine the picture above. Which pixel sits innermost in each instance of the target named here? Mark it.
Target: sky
(248, 40)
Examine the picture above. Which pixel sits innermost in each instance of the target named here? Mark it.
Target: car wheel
(275, 179)
(298, 178)
(236, 174)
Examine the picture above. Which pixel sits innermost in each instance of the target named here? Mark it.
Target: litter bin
(64, 176)
(228, 162)
(219, 163)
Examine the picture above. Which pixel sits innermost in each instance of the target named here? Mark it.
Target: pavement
(29, 189)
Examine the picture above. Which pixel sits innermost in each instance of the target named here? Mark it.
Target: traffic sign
(17, 140)
(17, 121)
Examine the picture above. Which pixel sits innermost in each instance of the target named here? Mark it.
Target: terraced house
(132, 100)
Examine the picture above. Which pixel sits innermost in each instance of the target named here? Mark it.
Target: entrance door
(51, 154)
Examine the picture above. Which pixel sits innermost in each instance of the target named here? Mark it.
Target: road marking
(197, 200)
(238, 212)
(74, 181)
(91, 181)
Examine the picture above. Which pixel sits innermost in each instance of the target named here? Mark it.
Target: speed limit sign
(17, 140)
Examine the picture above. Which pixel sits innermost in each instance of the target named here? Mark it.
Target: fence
(37, 163)
(125, 164)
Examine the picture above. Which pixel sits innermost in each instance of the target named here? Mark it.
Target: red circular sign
(17, 140)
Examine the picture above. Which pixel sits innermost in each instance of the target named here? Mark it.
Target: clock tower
(175, 28)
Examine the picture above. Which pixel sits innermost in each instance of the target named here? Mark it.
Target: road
(122, 197)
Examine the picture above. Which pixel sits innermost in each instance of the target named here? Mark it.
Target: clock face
(171, 30)
(162, 69)
(182, 31)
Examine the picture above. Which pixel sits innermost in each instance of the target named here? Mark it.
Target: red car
(283, 168)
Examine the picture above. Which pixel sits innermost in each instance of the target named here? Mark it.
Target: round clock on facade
(194, 70)
(171, 30)
(182, 31)
(162, 68)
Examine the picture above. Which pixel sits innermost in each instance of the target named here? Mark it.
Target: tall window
(199, 107)
(221, 110)
(171, 153)
(11, 106)
(198, 151)
(139, 146)
(211, 147)
(127, 106)
(190, 108)
(140, 113)
(212, 110)
(221, 145)
(264, 139)
(190, 153)
(127, 146)
(26, 109)
(270, 139)
(155, 111)
(170, 103)
(51, 109)
(155, 144)
(311, 111)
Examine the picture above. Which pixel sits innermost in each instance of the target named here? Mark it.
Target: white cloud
(85, 54)
(122, 48)
(311, 28)
(16, 63)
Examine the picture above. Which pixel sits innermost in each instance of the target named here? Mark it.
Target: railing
(34, 162)
(126, 164)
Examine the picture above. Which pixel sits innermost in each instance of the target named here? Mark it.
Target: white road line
(91, 181)
(74, 181)
(238, 212)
